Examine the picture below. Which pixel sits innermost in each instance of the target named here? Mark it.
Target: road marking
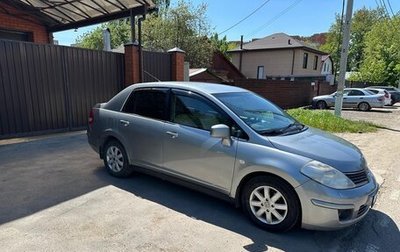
(395, 195)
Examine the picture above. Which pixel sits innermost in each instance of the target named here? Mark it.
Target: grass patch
(325, 120)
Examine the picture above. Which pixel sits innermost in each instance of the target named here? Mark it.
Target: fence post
(131, 64)
(177, 64)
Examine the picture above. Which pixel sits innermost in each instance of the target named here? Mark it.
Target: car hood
(324, 147)
(322, 97)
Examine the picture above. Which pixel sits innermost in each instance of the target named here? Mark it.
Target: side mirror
(221, 131)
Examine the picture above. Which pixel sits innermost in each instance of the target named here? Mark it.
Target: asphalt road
(56, 196)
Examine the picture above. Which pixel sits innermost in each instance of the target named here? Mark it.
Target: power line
(258, 8)
(283, 12)
(390, 7)
(383, 5)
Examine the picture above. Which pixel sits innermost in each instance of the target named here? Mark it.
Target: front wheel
(116, 160)
(321, 105)
(271, 203)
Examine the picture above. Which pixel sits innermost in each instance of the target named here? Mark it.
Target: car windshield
(260, 114)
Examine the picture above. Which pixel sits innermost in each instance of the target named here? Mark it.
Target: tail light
(386, 94)
(91, 118)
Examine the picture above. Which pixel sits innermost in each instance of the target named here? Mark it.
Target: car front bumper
(324, 208)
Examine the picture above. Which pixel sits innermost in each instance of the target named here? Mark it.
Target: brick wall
(286, 94)
(16, 20)
(132, 69)
(177, 64)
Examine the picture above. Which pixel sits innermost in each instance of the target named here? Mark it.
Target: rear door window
(356, 93)
(150, 103)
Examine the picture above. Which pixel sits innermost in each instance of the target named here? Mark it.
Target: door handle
(172, 134)
(124, 122)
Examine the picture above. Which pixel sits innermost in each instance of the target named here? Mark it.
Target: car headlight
(326, 175)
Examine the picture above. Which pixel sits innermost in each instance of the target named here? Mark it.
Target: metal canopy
(60, 15)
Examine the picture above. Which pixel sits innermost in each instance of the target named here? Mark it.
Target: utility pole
(343, 58)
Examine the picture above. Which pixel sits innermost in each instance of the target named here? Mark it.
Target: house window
(260, 72)
(16, 35)
(315, 62)
(305, 60)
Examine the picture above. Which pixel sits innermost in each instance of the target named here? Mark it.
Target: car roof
(382, 87)
(354, 89)
(203, 87)
(373, 88)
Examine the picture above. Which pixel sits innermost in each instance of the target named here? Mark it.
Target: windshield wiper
(279, 131)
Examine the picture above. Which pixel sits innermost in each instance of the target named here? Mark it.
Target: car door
(346, 100)
(142, 125)
(353, 98)
(189, 150)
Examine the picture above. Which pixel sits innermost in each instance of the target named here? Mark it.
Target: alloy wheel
(268, 205)
(115, 159)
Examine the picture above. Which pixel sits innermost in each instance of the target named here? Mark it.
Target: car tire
(116, 160)
(363, 106)
(321, 105)
(260, 199)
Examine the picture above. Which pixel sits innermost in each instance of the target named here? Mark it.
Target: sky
(294, 17)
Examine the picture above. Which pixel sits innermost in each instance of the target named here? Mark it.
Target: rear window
(149, 103)
(372, 92)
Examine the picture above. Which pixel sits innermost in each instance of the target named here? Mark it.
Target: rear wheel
(363, 106)
(322, 105)
(116, 160)
(271, 203)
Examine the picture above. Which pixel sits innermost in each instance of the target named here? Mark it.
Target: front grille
(362, 210)
(359, 178)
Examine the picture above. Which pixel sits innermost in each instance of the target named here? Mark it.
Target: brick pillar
(131, 64)
(177, 64)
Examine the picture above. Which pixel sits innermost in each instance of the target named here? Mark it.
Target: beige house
(278, 56)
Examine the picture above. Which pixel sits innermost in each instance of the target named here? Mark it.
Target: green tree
(362, 22)
(382, 53)
(184, 26)
(221, 45)
(120, 34)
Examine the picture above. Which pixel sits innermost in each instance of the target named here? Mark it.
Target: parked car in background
(234, 144)
(386, 94)
(394, 92)
(357, 98)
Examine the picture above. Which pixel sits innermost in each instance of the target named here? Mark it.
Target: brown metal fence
(156, 66)
(52, 88)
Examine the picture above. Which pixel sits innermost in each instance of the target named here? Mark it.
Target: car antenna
(152, 76)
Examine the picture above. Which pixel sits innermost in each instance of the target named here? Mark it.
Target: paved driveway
(56, 196)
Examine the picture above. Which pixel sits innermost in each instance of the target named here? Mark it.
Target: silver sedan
(357, 98)
(236, 145)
